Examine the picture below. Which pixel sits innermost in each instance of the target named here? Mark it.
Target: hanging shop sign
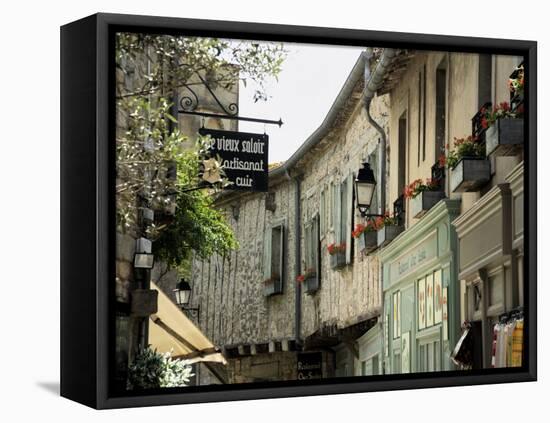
(310, 365)
(243, 158)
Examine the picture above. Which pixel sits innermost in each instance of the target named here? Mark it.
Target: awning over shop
(171, 330)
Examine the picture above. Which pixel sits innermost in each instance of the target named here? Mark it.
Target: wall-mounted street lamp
(144, 260)
(365, 187)
(182, 291)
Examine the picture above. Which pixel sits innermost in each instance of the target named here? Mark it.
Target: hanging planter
(505, 137)
(368, 241)
(504, 129)
(311, 285)
(337, 253)
(470, 174)
(273, 286)
(424, 201)
(423, 196)
(365, 235)
(388, 229)
(469, 169)
(310, 281)
(387, 234)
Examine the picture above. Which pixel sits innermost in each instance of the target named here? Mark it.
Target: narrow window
(485, 79)
(419, 123)
(274, 253)
(440, 107)
(424, 114)
(277, 251)
(402, 153)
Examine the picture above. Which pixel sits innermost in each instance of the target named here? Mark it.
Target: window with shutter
(322, 212)
(312, 269)
(273, 266)
(343, 211)
(337, 212)
(348, 217)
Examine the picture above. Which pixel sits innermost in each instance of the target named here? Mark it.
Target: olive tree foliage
(151, 369)
(153, 168)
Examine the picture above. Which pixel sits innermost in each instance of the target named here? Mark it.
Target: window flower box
(368, 241)
(505, 137)
(311, 284)
(388, 233)
(365, 234)
(273, 286)
(337, 253)
(424, 201)
(338, 260)
(470, 174)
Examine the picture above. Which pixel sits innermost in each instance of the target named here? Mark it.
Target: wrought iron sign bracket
(188, 105)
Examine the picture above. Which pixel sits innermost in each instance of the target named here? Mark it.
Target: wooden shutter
(316, 245)
(267, 253)
(307, 245)
(348, 207)
(281, 249)
(337, 212)
(322, 212)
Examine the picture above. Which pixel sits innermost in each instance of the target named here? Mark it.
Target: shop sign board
(243, 156)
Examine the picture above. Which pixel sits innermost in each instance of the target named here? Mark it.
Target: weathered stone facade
(230, 291)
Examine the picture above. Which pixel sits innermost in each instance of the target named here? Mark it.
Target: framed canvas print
(259, 211)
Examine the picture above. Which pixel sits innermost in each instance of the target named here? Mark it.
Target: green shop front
(421, 296)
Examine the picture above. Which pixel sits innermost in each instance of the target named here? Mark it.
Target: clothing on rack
(508, 341)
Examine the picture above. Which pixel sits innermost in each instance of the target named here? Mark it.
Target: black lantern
(365, 185)
(183, 293)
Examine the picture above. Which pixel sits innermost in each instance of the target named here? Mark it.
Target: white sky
(309, 82)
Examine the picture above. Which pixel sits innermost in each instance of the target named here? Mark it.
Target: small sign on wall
(310, 365)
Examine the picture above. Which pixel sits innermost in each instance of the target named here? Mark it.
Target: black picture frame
(87, 209)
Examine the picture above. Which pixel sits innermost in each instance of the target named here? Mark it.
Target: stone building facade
(282, 307)
(442, 253)
(287, 231)
(398, 309)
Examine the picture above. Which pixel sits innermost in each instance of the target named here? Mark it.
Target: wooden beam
(285, 345)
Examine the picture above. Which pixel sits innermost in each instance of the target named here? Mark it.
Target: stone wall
(352, 294)
(229, 290)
